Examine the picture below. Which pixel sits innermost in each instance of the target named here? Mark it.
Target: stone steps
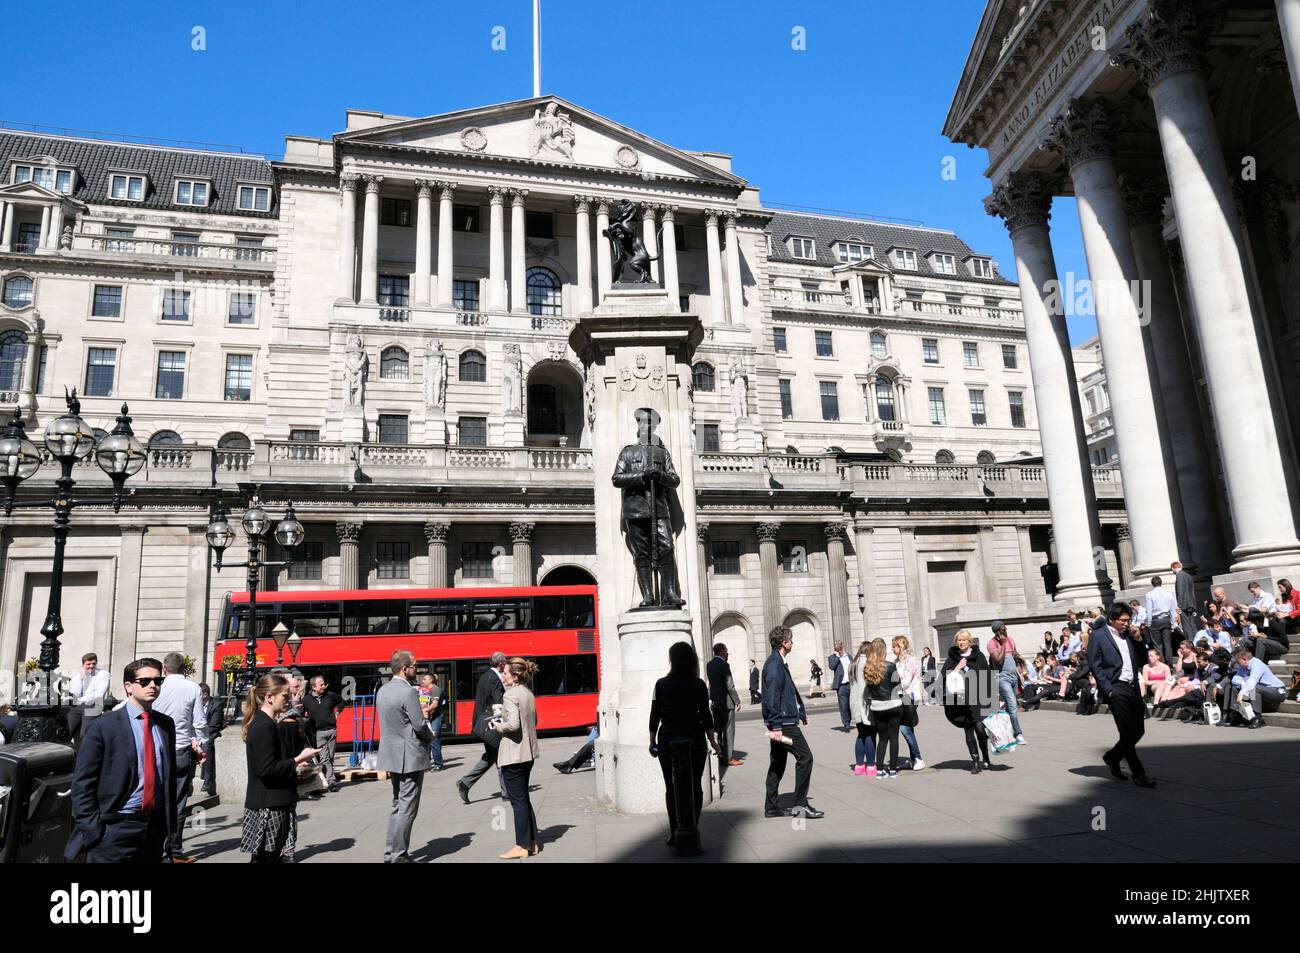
(1288, 716)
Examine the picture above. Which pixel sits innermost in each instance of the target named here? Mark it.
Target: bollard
(687, 841)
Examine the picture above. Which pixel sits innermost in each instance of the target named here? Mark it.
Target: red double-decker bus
(348, 636)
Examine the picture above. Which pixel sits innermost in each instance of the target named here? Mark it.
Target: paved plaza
(1048, 801)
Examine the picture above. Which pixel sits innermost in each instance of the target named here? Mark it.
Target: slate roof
(826, 230)
(95, 158)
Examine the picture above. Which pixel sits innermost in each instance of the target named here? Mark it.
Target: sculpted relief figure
(739, 391)
(511, 376)
(435, 375)
(355, 365)
(552, 129)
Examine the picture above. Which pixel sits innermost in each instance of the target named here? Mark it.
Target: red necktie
(147, 801)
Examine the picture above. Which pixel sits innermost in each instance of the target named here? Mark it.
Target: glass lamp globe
(220, 533)
(255, 519)
(19, 457)
(289, 533)
(69, 438)
(120, 453)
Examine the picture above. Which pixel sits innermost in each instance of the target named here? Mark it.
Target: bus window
(548, 612)
(366, 617)
(443, 616)
(492, 615)
(580, 673)
(237, 623)
(311, 618)
(467, 675)
(581, 611)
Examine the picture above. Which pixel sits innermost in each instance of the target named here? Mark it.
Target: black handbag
(911, 714)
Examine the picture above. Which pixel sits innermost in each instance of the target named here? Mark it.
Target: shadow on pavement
(337, 844)
(442, 847)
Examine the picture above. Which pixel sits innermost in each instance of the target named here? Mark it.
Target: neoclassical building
(377, 327)
(1174, 126)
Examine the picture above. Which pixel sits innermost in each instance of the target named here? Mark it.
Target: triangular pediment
(1000, 20)
(29, 190)
(547, 129)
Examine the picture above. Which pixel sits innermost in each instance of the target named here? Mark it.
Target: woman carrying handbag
(967, 681)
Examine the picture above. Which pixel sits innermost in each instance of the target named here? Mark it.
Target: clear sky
(849, 123)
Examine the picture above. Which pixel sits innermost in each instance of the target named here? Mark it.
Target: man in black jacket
(724, 700)
(1115, 658)
(755, 696)
(783, 711)
(214, 716)
(490, 691)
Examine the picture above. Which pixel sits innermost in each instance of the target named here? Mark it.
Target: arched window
(945, 458)
(234, 441)
(886, 409)
(894, 456)
(394, 364)
(13, 359)
(791, 450)
(18, 292)
(702, 377)
(473, 367)
(543, 292)
(986, 458)
(879, 347)
(165, 438)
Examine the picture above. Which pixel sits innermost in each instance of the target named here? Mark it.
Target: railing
(551, 323)
(394, 455)
(325, 454)
(171, 458)
(170, 248)
(479, 458)
(472, 319)
(234, 461)
(806, 296)
(958, 310)
(23, 248)
(8, 398)
(394, 314)
(547, 458)
(894, 426)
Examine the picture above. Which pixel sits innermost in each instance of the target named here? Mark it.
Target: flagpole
(537, 48)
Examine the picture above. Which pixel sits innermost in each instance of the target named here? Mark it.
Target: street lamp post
(68, 439)
(256, 521)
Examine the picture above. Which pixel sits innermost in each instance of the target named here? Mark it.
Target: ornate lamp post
(68, 439)
(295, 643)
(256, 521)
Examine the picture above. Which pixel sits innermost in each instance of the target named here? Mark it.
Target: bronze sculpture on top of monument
(629, 249)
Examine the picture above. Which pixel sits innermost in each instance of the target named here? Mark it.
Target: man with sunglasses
(123, 787)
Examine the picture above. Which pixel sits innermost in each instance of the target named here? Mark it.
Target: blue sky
(850, 123)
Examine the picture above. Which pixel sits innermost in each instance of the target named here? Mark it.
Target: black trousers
(699, 755)
(721, 717)
(135, 839)
(1127, 709)
(886, 724)
(803, 765)
(977, 741)
(1162, 636)
(208, 769)
(515, 779)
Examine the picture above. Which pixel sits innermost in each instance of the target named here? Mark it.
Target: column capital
(498, 194)
(1080, 133)
(424, 188)
(348, 181)
(522, 532)
(648, 210)
(1023, 199)
(517, 197)
(834, 531)
(348, 532)
(1166, 41)
(702, 532)
(1122, 531)
(437, 532)
(582, 203)
(372, 183)
(729, 217)
(1144, 198)
(444, 187)
(602, 204)
(667, 212)
(767, 532)
(711, 216)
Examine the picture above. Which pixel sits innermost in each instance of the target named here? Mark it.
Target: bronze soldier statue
(646, 476)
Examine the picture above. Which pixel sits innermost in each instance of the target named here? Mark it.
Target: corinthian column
(370, 242)
(423, 241)
(497, 250)
(771, 585)
(839, 579)
(446, 262)
(521, 536)
(648, 236)
(717, 293)
(1164, 48)
(702, 561)
(1082, 135)
(1023, 202)
(669, 254)
(349, 556)
(347, 238)
(435, 534)
(604, 266)
(735, 291)
(582, 208)
(518, 263)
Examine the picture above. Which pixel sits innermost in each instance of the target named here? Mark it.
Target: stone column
(1173, 376)
(44, 241)
(1083, 135)
(423, 242)
(446, 261)
(521, 536)
(648, 236)
(126, 622)
(604, 266)
(56, 227)
(518, 263)
(1124, 555)
(1023, 202)
(582, 208)
(1033, 579)
(702, 558)
(497, 250)
(771, 582)
(735, 290)
(436, 536)
(1162, 48)
(370, 242)
(347, 291)
(717, 293)
(27, 387)
(921, 632)
(988, 563)
(839, 580)
(1288, 15)
(349, 555)
(863, 541)
(10, 211)
(672, 286)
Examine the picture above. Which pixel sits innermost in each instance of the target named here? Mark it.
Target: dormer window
(852, 251)
(192, 192)
(905, 258)
(944, 264)
(255, 198)
(981, 267)
(803, 248)
(47, 177)
(127, 188)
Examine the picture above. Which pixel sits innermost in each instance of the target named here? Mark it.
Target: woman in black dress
(928, 669)
(270, 826)
(963, 709)
(679, 709)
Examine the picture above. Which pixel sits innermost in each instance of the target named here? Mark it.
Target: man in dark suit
(783, 711)
(1185, 597)
(840, 683)
(124, 783)
(490, 691)
(1115, 658)
(755, 697)
(214, 716)
(723, 699)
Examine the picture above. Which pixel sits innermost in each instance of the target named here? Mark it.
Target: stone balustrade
(170, 248)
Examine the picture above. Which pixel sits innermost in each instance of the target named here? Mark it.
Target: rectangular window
(304, 435)
(778, 340)
(472, 431)
(308, 562)
(825, 348)
(1009, 356)
(930, 350)
(395, 212)
(852, 251)
(243, 308)
(830, 400)
(709, 439)
(255, 198)
(464, 295)
(29, 236)
(394, 290)
(115, 236)
(185, 244)
(970, 354)
(905, 258)
(464, 218)
(787, 402)
(794, 555)
(938, 415)
(128, 188)
(726, 557)
(978, 417)
(1017, 401)
(393, 428)
(63, 182)
(394, 560)
(191, 192)
(476, 560)
(803, 248)
(171, 375)
(539, 225)
(239, 377)
(101, 364)
(108, 302)
(248, 249)
(176, 305)
(41, 362)
(981, 267)
(945, 264)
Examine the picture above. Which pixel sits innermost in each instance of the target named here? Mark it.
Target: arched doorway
(568, 576)
(807, 645)
(732, 631)
(556, 416)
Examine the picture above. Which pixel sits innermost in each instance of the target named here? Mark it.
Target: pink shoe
(871, 771)
(859, 769)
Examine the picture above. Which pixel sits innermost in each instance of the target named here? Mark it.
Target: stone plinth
(513, 429)
(1025, 626)
(354, 425)
(435, 426)
(232, 766)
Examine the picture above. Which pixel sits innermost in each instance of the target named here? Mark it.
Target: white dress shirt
(1160, 601)
(1121, 643)
(87, 689)
(1264, 602)
(182, 701)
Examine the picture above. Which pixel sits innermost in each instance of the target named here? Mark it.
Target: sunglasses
(146, 682)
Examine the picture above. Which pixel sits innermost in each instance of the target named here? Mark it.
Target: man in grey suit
(404, 738)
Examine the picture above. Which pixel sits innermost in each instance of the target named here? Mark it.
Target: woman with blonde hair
(964, 709)
(270, 825)
(864, 746)
(518, 729)
(913, 693)
(886, 706)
